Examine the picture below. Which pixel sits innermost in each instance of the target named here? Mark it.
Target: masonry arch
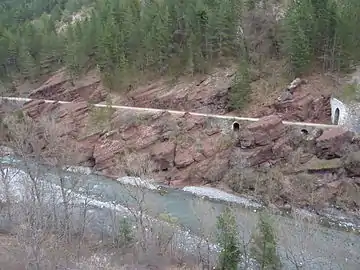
(236, 126)
(304, 132)
(341, 112)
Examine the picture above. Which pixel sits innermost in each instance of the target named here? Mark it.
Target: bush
(230, 255)
(125, 235)
(264, 245)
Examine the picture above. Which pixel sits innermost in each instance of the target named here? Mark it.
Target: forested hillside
(128, 39)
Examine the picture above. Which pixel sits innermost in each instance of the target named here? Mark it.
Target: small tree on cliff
(230, 255)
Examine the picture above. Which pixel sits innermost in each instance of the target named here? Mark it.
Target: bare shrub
(264, 185)
(206, 217)
(151, 238)
(305, 230)
(52, 211)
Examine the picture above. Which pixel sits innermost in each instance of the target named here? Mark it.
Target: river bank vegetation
(46, 226)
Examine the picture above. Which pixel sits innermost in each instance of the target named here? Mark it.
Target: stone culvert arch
(236, 126)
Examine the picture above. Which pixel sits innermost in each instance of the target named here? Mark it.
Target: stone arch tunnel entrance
(336, 116)
(235, 126)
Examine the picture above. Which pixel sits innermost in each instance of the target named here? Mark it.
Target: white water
(217, 194)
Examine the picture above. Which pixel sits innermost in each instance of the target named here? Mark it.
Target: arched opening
(336, 116)
(304, 132)
(236, 126)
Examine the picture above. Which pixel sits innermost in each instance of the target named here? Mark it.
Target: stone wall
(347, 115)
(354, 117)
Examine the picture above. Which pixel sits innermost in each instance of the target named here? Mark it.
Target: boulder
(261, 133)
(282, 149)
(246, 139)
(333, 143)
(265, 123)
(322, 165)
(267, 130)
(352, 164)
(303, 107)
(183, 158)
(163, 154)
(260, 155)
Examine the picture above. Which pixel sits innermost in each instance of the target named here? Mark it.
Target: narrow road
(151, 110)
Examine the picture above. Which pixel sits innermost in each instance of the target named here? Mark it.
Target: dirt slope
(202, 93)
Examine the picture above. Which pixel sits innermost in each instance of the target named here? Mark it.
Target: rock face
(299, 102)
(61, 87)
(352, 164)
(279, 163)
(301, 107)
(294, 166)
(205, 93)
(333, 143)
(176, 146)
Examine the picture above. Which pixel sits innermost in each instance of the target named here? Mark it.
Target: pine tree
(29, 69)
(347, 38)
(240, 90)
(125, 233)
(264, 245)
(230, 255)
(56, 13)
(299, 27)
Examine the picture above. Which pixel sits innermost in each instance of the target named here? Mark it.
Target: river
(314, 246)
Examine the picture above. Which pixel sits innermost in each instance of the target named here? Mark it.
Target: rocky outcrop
(318, 163)
(302, 107)
(103, 139)
(263, 158)
(61, 87)
(334, 143)
(296, 104)
(352, 164)
(205, 93)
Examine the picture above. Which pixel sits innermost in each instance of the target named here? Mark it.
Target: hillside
(225, 57)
